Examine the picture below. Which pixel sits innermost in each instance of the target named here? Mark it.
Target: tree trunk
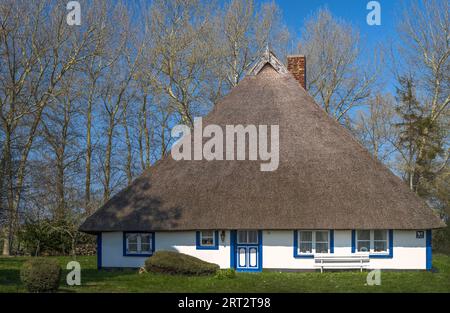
(106, 188)
(87, 187)
(129, 151)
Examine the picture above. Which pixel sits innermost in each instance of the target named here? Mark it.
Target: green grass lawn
(130, 281)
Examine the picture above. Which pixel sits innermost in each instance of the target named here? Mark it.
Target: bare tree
(243, 32)
(38, 49)
(94, 68)
(179, 37)
(375, 127)
(60, 142)
(115, 86)
(335, 74)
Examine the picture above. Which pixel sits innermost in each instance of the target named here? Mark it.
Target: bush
(178, 263)
(48, 237)
(41, 275)
(228, 273)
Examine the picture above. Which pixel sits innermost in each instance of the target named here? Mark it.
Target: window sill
(304, 256)
(138, 254)
(380, 256)
(207, 248)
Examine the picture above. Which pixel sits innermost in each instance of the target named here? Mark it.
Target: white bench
(356, 261)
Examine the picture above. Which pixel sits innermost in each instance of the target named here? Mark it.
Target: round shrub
(41, 275)
(170, 262)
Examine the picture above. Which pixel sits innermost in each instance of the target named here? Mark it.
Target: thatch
(325, 179)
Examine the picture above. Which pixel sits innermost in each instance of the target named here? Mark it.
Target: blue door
(247, 250)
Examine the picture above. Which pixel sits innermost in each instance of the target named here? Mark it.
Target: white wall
(184, 242)
(278, 250)
(409, 252)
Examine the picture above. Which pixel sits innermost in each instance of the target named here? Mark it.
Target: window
(138, 244)
(306, 242)
(380, 241)
(321, 241)
(363, 241)
(372, 241)
(309, 242)
(247, 237)
(207, 240)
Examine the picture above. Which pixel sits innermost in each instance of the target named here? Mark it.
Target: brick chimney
(296, 64)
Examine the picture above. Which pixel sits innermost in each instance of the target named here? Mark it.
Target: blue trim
(260, 255)
(331, 241)
(353, 241)
(198, 242)
(296, 255)
(99, 251)
(245, 260)
(310, 256)
(250, 251)
(124, 244)
(233, 249)
(390, 255)
(429, 254)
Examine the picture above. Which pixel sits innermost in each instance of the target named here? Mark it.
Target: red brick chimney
(296, 64)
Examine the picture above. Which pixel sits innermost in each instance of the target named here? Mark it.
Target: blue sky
(353, 11)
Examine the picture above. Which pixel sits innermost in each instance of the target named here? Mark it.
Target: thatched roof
(325, 178)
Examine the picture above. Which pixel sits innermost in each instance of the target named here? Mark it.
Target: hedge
(170, 262)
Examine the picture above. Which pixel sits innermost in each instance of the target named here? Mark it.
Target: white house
(329, 203)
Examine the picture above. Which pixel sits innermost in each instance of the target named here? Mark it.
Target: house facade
(328, 201)
(273, 249)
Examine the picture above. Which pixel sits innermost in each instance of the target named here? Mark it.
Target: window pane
(132, 243)
(146, 243)
(363, 246)
(132, 238)
(380, 234)
(380, 246)
(305, 247)
(145, 247)
(145, 238)
(321, 247)
(363, 234)
(207, 242)
(208, 233)
(207, 238)
(305, 235)
(252, 236)
(242, 236)
(321, 236)
(132, 247)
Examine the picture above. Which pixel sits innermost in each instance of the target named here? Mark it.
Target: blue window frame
(207, 239)
(309, 242)
(374, 243)
(429, 262)
(99, 251)
(138, 243)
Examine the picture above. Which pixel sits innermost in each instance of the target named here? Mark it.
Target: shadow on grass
(9, 277)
